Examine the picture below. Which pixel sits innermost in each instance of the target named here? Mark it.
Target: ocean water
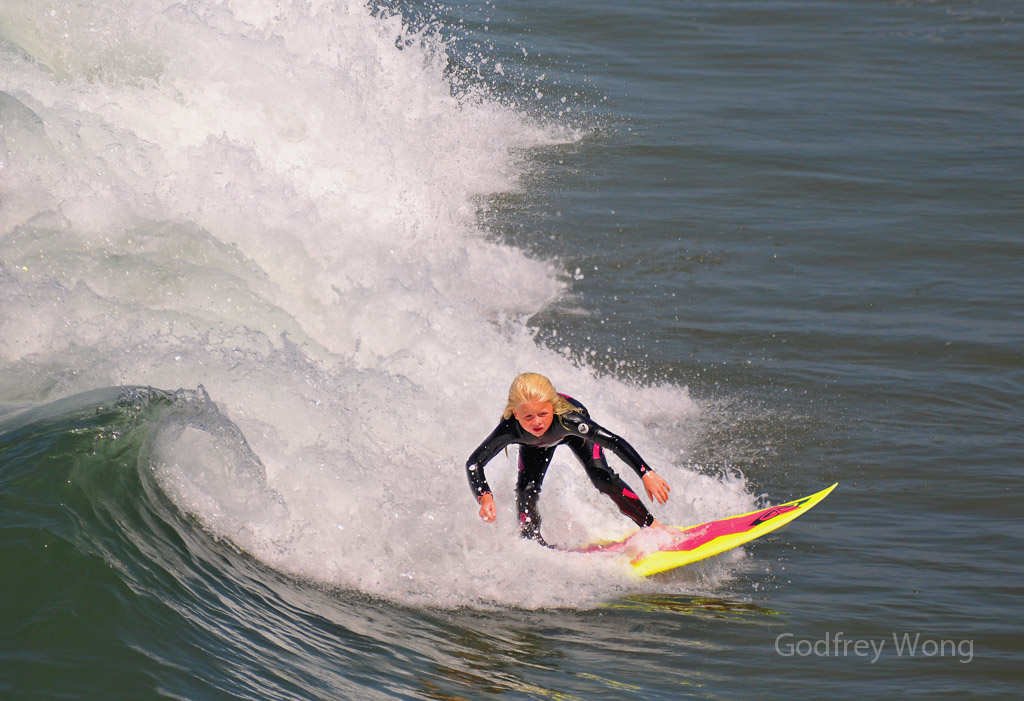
(267, 268)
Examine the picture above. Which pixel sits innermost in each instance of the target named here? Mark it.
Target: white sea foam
(276, 202)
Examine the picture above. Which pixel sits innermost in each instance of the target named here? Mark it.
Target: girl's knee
(604, 479)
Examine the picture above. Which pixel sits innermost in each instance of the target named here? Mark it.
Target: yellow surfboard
(707, 539)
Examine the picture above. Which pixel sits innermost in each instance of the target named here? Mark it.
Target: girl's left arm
(656, 487)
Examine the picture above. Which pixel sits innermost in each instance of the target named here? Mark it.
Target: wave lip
(291, 173)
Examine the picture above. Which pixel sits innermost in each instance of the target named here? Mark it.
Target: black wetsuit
(585, 438)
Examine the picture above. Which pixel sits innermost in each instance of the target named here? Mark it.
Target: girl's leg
(533, 464)
(609, 483)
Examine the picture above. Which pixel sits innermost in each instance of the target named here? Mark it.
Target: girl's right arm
(487, 511)
(492, 445)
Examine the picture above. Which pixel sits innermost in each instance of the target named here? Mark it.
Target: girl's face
(535, 417)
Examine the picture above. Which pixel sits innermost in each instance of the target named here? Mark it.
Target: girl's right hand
(487, 511)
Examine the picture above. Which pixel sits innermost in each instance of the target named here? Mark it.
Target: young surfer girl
(538, 419)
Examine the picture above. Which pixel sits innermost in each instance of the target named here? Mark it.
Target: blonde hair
(531, 387)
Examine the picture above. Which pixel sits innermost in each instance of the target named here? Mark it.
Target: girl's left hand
(656, 487)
